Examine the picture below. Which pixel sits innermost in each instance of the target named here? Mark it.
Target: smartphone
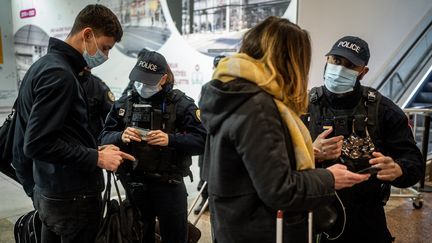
(143, 132)
(369, 170)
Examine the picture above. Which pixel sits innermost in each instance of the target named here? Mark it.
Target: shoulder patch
(121, 112)
(198, 115)
(111, 96)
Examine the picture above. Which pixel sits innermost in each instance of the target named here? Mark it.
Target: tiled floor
(410, 225)
(407, 224)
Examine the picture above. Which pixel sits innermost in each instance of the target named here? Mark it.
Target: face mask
(146, 91)
(97, 59)
(339, 79)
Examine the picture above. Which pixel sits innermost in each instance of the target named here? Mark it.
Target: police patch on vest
(110, 96)
(198, 115)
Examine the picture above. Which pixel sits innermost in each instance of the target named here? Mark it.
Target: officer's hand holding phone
(131, 134)
(157, 137)
(327, 148)
(389, 169)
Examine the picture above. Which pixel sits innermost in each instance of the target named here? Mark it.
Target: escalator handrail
(404, 55)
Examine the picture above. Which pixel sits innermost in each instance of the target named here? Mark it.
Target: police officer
(99, 100)
(355, 125)
(161, 127)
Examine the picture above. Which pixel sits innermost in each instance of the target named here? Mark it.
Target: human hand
(157, 137)
(110, 158)
(345, 178)
(390, 170)
(327, 148)
(131, 134)
(102, 147)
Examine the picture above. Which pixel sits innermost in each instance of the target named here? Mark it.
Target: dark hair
(170, 78)
(101, 19)
(217, 59)
(286, 47)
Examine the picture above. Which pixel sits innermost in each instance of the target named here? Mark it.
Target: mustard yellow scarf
(256, 71)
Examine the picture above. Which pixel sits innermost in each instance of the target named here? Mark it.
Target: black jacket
(248, 168)
(52, 134)
(100, 100)
(393, 137)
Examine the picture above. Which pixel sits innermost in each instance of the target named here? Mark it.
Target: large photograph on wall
(189, 33)
(213, 27)
(144, 25)
(31, 43)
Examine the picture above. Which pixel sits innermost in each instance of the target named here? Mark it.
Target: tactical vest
(358, 125)
(161, 162)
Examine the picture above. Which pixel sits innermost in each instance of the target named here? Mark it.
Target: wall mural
(189, 33)
(31, 43)
(143, 22)
(216, 27)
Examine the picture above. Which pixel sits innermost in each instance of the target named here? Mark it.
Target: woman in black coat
(259, 156)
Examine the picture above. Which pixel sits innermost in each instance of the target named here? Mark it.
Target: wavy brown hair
(286, 47)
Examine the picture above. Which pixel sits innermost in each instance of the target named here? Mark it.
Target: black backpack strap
(372, 100)
(315, 94)
(315, 110)
(129, 108)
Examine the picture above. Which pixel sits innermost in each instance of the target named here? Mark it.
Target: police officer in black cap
(355, 125)
(161, 127)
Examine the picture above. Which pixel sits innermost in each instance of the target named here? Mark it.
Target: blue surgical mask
(339, 79)
(146, 91)
(97, 59)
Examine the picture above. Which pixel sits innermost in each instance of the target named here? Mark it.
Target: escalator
(419, 107)
(408, 82)
(423, 98)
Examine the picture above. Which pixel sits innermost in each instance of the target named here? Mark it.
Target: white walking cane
(279, 223)
(310, 223)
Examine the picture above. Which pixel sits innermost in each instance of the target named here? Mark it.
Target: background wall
(8, 85)
(203, 30)
(384, 24)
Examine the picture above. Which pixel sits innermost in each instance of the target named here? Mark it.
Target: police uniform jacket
(189, 137)
(52, 133)
(248, 168)
(393, 137)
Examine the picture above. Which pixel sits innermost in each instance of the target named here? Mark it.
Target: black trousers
(365, 223)
(167, 202)
(69, 218)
